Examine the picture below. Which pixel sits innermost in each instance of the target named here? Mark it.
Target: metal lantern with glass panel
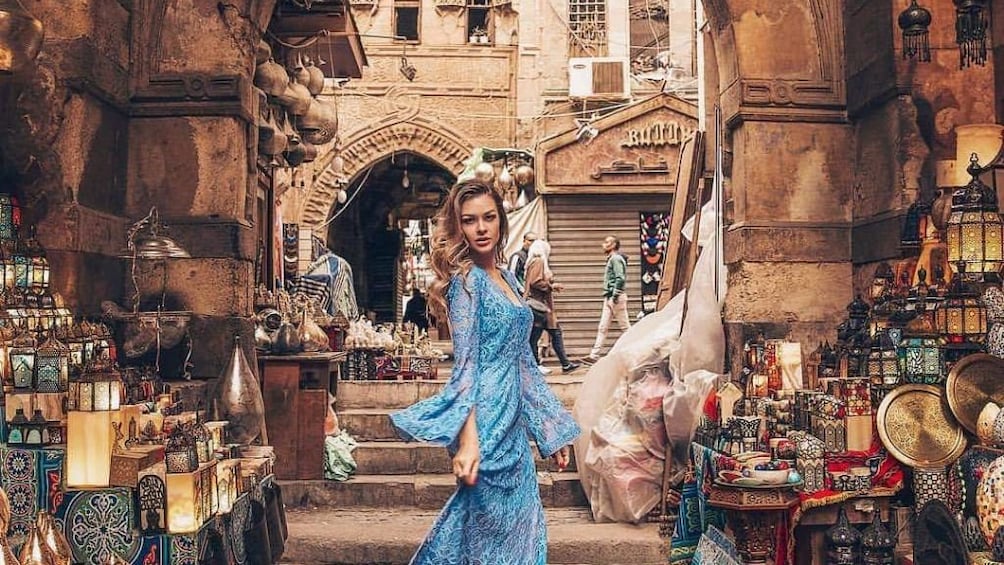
(961, 317)
(52, 366)
(38, 263)
(921, 356)
(22, 359)
(975, 232)
(180, 452)
(10, 216)
(882, 365)
(99, 389)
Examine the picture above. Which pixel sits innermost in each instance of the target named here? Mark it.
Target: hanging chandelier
(971, 25)
(20, 36)
(915, 21)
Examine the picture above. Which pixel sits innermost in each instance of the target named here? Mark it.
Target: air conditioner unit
(598, 77)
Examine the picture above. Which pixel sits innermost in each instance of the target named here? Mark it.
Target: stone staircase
(383, 512)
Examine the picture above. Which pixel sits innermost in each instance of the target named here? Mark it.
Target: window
(479, 21)
(406, 19)
(587, 25)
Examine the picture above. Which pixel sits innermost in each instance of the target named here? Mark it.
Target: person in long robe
(495, 402)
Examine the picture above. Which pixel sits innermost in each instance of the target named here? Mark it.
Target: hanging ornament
(342, 196)
(971, 25)
(915, 21)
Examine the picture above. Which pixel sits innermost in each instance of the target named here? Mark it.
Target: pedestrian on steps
(615, 300)
(541, 287)
(494, 399)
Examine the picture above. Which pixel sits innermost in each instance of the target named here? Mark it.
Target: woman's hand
(466, 462)
(561, 458)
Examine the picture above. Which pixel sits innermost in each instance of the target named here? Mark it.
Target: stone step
(390, 536)
(400, 458)
(427, 491)
(368, 424)
(355, 395)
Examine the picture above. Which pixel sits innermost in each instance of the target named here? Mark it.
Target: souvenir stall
(897, 425)
(102, 463)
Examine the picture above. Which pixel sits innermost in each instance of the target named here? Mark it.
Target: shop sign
(656, 135)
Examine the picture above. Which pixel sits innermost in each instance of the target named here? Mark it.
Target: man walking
(517, 263)
(615, 300)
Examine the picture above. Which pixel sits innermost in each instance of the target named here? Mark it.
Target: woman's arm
(468, 457)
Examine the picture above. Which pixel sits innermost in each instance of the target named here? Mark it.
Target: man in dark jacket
(415, 310)
(615, 299)
(517, 263)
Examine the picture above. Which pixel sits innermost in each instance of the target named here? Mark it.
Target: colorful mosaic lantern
(10, 216)
(17, 428)
(37, 432)
(961, 317)
(975, 232)
(52, 366)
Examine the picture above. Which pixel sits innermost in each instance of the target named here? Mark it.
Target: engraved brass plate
(915, 425)
(973, 381)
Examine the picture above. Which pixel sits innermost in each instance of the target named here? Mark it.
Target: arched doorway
(384, 228)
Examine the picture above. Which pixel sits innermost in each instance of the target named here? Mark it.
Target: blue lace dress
(499, 520)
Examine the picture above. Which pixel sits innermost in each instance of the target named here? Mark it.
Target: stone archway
(444, 147)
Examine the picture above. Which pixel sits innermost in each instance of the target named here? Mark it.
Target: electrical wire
(359, 189)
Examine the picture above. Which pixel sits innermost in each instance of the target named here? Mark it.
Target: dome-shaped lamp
(915, 21)
(971, 25)
(20, 36)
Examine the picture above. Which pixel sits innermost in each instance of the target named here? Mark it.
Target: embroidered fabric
(500, 520)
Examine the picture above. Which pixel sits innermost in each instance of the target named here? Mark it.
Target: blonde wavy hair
(450, 252)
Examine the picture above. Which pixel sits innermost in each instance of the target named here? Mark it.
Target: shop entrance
(384, 227)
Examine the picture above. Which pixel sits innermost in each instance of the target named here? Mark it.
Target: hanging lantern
(975, 231)
(921, 357)
(20, 37)
(915, 21)
(961, 317)
(971, 25)
(36, 264)
(180, 452)
(882, 366)
(36, 432)
(52, 366)
(22, 360)
(99, 389)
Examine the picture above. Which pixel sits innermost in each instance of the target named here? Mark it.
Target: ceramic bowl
(771, 477)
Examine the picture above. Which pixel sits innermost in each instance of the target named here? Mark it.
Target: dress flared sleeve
(439, 418)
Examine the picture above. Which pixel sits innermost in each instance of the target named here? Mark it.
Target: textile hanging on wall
(653, 234)
(529, 218)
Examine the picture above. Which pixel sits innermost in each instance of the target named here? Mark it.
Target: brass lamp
(20, 36)
(961, 318)
(975, 232)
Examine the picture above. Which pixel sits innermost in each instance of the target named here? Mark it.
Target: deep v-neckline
(498, 288)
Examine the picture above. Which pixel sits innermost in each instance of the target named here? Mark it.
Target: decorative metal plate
(973, 381)
(915, 425)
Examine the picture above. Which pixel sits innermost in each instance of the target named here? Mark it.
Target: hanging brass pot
(263, 52)
(295, 98)
(271, 78)
(320, 124)
(299, 72)
(316, 82)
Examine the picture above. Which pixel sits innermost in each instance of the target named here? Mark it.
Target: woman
(540, 286)
(494, 399)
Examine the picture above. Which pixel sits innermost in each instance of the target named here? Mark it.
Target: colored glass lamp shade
(921, 357)
(22, 360)
(961, 317)
(975, 232)
(8, 266)
(17, 428)
(187, 500)
(37, 433)
(10, 216)
(180, 452)
(203, 442)
(20, 37)
(52, 366)
(882, 365)
(228, 478)
(90, 440)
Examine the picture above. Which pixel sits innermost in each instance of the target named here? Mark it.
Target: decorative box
(860, 431)
(828, 406)
(851, 481)
(833, 432)
(360, 364)
(809, 461)
(802, 407)
(127, 464)
(855, 395)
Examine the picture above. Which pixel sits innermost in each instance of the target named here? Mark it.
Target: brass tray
(915, 425)
(975, 380)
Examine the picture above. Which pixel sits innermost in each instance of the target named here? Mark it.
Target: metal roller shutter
(576, 228)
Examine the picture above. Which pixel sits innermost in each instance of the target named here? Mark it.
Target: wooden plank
(685, 204)
(281, 391)
(310, 439)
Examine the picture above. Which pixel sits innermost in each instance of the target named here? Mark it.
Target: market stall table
(753, 514)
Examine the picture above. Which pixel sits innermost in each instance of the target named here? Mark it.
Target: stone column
(192, 152)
